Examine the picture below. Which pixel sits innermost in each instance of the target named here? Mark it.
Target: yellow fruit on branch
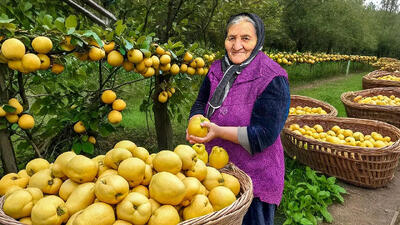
(26, 122)
(42, 44)
(57, 68)
(66, 44)
(108, 96)
(2, 112)
(12, 118)
(114, 117)
(160, 50)
(163, 97)
(96, 54)
(44, 61)
(135, 56)
(92, 140)
(174, 69)
(187, 57)
(109, 47)
(13, 49)
(128, 66)
(165, 59)
(79, 127)
(119, 105)
(14, 103)
(30, 62)
(15, 65)
(115, 58)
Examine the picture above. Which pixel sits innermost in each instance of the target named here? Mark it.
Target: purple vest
(267, 168)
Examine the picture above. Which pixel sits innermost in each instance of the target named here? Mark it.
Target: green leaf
(3, 124)
(146, 52)
(193, 47)
(77, 147)
(9, 108)
(128, 45)
(59, 24)
(140, 40)
(88, 147)
(324, 194)
(305, 221)
(84, 138)
(6, 20)
(48, 20)
(327, 216)
(71, 21)
(120, 29)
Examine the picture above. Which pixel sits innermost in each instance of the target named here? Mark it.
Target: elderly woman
(246, 97)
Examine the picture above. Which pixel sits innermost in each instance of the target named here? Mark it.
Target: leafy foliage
(307, 195)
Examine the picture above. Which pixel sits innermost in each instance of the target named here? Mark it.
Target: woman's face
(240, 41)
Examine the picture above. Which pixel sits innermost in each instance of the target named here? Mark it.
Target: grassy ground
(330, 90)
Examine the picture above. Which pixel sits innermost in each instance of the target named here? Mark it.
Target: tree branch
(30, 139)
(100, 9)
(25, 103)
(129, 82)
(109, 77)
(86, 12)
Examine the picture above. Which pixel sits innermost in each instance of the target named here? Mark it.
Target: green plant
(307, 195)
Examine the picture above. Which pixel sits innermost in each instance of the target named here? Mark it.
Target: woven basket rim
(379, 73)
(333, 111)
(244, 200)
(347, 99)
(395, 147)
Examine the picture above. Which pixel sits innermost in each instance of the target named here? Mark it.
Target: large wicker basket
(299, 100)
(389, 114)
(365, 167)
(232, 215)
(370, 80)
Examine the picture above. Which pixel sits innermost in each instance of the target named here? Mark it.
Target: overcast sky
(376, 2)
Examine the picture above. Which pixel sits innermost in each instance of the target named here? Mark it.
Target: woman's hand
(213, 132)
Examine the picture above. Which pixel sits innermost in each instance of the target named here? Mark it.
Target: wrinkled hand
(213, 131)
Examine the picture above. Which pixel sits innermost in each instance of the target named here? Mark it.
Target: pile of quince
(378, 100)
(389, 77)
(338, 135)
(306, 110)
(127, 185)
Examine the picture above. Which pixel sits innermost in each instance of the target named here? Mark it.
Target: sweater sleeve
(200, 104)
(268, 116)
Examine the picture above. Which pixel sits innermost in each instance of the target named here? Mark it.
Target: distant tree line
(332, 26)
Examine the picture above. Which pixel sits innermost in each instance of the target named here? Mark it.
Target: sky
(376, 2)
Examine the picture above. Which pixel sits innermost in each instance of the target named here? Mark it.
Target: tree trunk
(6, 148)
(161, 118)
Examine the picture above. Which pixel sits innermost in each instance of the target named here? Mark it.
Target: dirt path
(369, 206)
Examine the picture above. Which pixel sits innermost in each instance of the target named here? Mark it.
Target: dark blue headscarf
(231, 70)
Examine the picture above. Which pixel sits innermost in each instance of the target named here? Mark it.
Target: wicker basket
(232, 215)
(365, 167)
(389, 114)
(298, 100)
(370, 81)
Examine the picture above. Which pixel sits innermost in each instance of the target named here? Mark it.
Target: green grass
(330, 90)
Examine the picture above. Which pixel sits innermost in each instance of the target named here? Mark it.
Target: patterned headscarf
(231, 70)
